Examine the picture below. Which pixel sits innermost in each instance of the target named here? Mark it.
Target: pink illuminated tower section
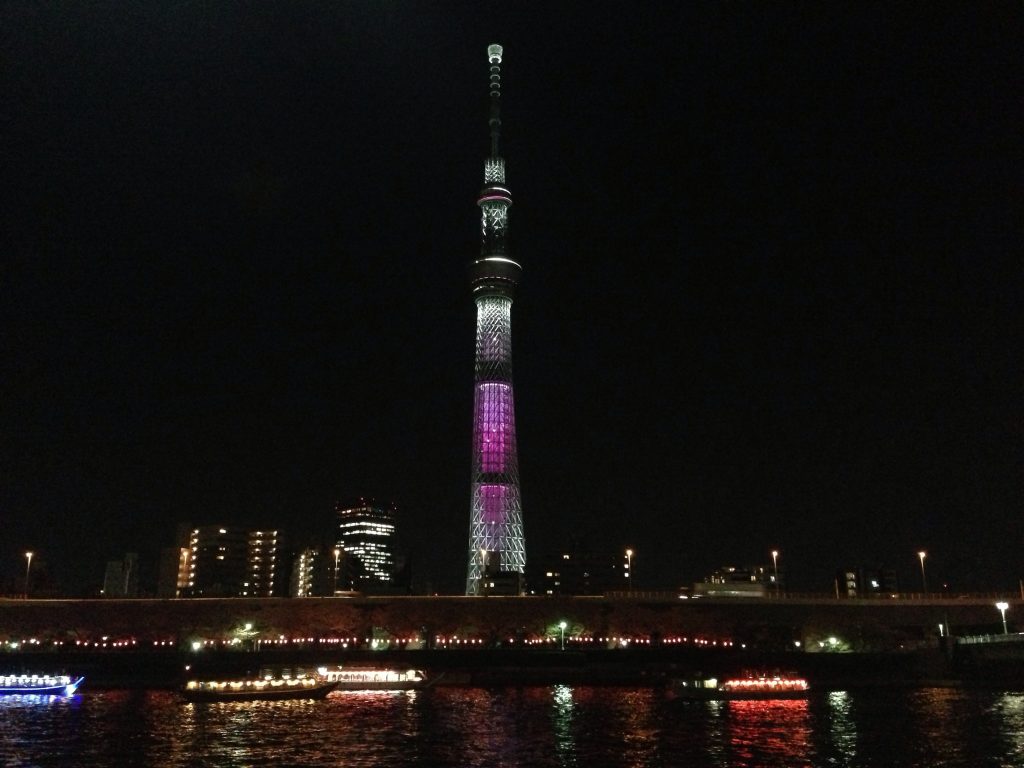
(497, 547)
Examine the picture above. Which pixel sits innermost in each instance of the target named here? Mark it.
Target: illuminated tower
(496, 543)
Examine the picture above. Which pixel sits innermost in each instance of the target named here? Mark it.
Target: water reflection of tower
(496, 543)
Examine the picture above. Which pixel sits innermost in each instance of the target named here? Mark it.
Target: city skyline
(772, 300)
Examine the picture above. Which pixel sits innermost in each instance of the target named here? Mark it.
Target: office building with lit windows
(366, 533)
(230, 562)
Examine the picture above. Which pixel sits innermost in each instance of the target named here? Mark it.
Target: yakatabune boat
(39, 685)
(266, 688)
(374, 679)
(762, 687)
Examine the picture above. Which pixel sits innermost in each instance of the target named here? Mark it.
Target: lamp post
(28, 570)
(775, 569)
(562, 625)
(481, 586)
(337, 554)
(1002, 606)
(924, 580)
(629, 567)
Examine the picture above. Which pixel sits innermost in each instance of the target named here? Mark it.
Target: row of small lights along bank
(346, 642)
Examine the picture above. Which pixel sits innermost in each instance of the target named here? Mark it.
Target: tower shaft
(497, 549)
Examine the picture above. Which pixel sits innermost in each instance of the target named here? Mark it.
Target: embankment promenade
(496, 640)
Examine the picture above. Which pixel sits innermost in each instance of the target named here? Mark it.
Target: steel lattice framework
(496, 540)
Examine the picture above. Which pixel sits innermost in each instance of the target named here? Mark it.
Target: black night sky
(772, 290)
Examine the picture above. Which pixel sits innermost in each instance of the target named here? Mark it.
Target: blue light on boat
(42, 685)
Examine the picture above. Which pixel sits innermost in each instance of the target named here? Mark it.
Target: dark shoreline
(500, 667)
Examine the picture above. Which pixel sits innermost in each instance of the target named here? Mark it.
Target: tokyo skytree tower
(496, 542)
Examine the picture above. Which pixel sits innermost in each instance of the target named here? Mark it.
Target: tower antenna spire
(497, 548)
(494, 58)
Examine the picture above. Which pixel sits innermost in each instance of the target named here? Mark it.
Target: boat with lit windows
(375, 679)
(265, 688)
(39, 685)
(756, 687)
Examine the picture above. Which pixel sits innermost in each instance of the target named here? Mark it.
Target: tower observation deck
(497, 549)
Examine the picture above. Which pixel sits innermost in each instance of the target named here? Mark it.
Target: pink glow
(495, 428)
(493, 506)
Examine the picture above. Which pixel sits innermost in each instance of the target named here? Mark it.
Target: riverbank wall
(502, 641)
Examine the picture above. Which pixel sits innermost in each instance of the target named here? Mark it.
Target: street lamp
(481, 585)
(337, 554)
(1002, 606)
(562, 625)
(629, 565)
(924, 581)
(28, 569)
(775, 569)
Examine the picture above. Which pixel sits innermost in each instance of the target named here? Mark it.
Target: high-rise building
(121, 577)
(578, 570)
(173, 568)
(307, 573)
(262, 574)
(497, 547)
(172, 576)
(231, 562)
(320, 571)
(866, 582)
(366, 531)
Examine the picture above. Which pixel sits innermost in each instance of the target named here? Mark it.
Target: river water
(549, 726)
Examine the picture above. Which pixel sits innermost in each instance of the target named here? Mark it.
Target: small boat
(758, 687)
(375, 679)
(39, 685)
(265, 688)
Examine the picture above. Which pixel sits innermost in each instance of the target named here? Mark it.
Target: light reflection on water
(842, 733)
(762, 731)
(1009, 709)
(563, 726)
(561, 722)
